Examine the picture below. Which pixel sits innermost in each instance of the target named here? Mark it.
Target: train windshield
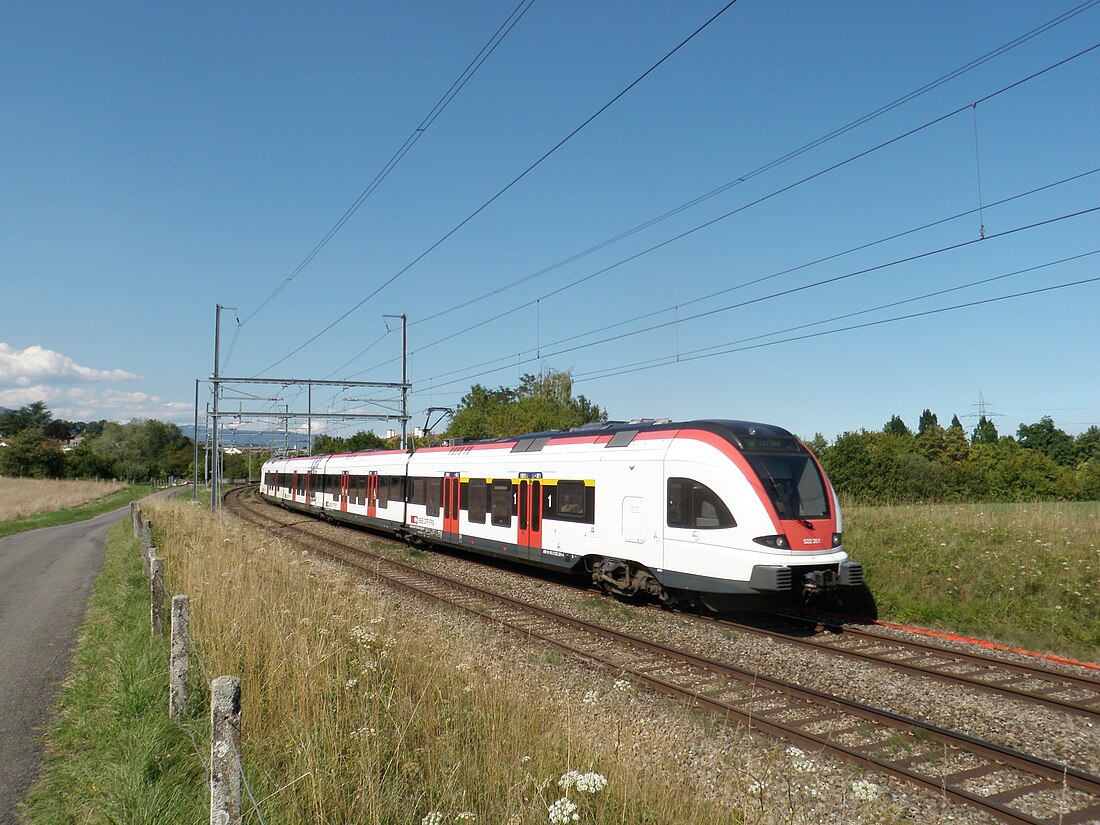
(792, 480)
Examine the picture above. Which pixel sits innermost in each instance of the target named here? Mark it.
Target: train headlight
(775, 542)
(836, 539)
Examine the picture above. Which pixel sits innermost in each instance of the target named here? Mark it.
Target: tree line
(938, 463)
(40, 446)
(894, 464)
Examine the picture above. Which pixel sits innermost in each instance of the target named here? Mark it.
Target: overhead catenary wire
(889, 305)
(508, 186)
(711, 295)
(802, 288)
(742, 345)
(683, 358)
(414, 136)
(775, 193)
(743, 178)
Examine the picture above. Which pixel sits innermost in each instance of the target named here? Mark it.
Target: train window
(477, 500)
(435, 496)
(793, 483)
(570, 498)
(397, 489)
(503, 503)
(419, 491)
(570, 501)
(696, 506)
(383, 492)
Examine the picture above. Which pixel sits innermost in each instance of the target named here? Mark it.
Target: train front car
(751, 518)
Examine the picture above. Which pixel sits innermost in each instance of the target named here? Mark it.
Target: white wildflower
(433, 818)
(466, 816)
(561, 812)
(525, 759)
(591, 697)
(801, 762)
(351, 683)
(583, 782)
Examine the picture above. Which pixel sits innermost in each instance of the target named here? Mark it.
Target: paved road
(45, 578)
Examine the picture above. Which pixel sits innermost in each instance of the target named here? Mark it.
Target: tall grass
(1026, 574)
(21, 497)
(356, 709)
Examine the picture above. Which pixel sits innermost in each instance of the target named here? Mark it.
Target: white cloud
(82, 404)
(20, 368)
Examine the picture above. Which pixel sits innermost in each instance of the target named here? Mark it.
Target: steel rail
(1056, 681)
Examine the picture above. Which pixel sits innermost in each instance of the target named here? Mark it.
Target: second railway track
(1012, 785)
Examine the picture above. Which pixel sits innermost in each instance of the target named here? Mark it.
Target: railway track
(1007, 783)
(1028, 683)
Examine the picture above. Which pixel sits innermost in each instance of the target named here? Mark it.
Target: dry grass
(1021, 573)
(357, 709)
(21, 497)
(363, 706)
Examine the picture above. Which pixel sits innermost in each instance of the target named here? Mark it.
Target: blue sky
(160, 159)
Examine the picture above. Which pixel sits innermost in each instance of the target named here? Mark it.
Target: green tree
(817, 445)
(895, 426)
(984, 433)
(85, 462)
(32, 455)
(927, 419)
(144, 449)
(59, 430)
(932, 442)
(1051, 441)
(540, 403)
(956, 446)
(1087, 444)
(32, 416)
(360, 442)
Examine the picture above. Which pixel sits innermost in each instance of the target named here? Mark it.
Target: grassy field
(1023, 574)
(28, 503)
(21, 497)
(358, 711)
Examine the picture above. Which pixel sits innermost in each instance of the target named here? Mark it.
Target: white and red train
(728, 513)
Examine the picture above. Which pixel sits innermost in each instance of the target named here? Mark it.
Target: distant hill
(244, 438)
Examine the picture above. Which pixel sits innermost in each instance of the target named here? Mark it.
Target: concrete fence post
(156, 595)
(180, 659)
(147, 555)
(225, 750)
(146, 534)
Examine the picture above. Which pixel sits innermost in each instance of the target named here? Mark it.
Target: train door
(372, 495)
(294, 487)
(345, 480)
(530, 516)
(451, 506)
